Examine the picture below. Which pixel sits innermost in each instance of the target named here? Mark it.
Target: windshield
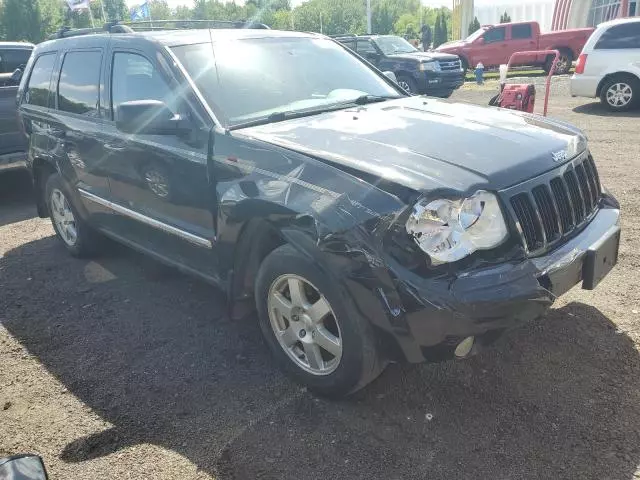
(475, 35)
(391, 45)
(250, 79)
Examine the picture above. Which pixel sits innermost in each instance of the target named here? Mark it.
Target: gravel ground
(122, 368)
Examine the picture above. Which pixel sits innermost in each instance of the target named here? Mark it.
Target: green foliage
(505, 18)
(21, 20)
(34, 20)
(474, 26)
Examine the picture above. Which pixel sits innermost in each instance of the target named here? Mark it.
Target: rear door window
(11, 59)
(494, 35)
(624, 36)
(519, 32)
(39, 85)
(79, 84)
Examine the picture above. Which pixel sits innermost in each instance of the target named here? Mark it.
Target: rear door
(77, 122)
(617, 49)
(520, 38)
(494, 49)
(162, 197)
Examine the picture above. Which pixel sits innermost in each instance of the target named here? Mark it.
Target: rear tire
(313, 330)
(620, 93)
(76, 235)
(564, 64)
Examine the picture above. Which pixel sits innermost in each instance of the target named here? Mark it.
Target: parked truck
(492, 45)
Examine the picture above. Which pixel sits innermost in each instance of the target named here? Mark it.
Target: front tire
(620, 93)
(78, 238)
(311, 326)
(408, 84)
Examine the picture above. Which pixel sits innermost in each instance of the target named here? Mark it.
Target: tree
(474, 26)
(439, 30)
(21, 20)
(159, 10)
(505, 18)
(443, 27)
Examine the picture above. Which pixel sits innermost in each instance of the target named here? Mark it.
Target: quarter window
(79, 84)
(134, 77)
(39, 86)
(624, 36)
(521, 31)
(494, 35)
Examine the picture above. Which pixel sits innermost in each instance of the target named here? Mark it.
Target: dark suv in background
(364, 225)
(430, 73)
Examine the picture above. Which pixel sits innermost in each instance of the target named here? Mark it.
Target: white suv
(609, 66)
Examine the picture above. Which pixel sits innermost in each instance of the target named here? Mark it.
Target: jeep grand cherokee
(363, 224)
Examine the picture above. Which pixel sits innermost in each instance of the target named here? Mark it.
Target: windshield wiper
(365, 99)
(282, 116)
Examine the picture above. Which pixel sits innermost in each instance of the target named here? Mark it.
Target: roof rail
(109, 27)
(147, 25)
(150, 25)
(344, 35)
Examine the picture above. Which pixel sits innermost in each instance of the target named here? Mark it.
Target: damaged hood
(424, 143)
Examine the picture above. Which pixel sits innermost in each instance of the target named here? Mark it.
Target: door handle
(114, 148)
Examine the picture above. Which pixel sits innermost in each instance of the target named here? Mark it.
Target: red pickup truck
(493, 45)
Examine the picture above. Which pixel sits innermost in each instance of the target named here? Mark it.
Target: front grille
(553, 209)
(448, 65)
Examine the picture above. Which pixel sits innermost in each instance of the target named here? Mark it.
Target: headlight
(448, 230)
(430, 67)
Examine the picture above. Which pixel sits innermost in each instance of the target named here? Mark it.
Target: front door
(161, 195)
(493, 48)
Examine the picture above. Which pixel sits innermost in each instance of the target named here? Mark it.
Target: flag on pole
(78, 4)
(140, 12)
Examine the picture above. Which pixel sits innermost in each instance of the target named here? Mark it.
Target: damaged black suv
(364, 225)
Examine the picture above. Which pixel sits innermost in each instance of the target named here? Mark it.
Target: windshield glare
(475, 35)
(249, 79)
(391, 45)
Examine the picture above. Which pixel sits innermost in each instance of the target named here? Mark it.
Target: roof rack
(148, 25)
(151, 25)
(344, 35)
(109, 27)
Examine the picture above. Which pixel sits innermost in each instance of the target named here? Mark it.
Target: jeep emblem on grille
(559, 156)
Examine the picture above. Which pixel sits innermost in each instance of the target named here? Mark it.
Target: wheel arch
(41, 170)
(611, 76)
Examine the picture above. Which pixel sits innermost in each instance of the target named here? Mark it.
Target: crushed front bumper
(428, 318)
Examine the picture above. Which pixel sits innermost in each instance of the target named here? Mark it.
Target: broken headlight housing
(449, 230)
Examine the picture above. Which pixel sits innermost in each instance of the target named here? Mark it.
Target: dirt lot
(122, 368)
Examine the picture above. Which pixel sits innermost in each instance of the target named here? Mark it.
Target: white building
(489, 13)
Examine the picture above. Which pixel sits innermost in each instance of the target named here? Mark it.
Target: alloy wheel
(619, 95)
(405, 86)
(304, 324)
(63, 218)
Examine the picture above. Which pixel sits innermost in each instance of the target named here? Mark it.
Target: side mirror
(16, 76)
(22, 467)
(150, 117)
(391, 76)
(480, 41)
